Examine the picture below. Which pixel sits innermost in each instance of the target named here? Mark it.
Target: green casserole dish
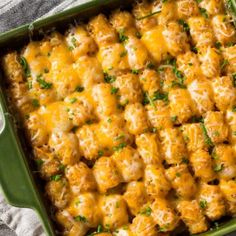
(17, 179)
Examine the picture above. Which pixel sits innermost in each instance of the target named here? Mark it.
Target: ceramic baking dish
(17, 178)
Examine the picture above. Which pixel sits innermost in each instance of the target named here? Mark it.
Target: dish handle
(16, 180)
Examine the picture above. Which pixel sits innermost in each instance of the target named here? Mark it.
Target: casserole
(8, 134)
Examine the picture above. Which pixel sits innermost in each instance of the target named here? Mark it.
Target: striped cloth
(13, 13)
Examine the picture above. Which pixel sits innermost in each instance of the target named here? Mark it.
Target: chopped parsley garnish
(100, 153)
(120, 147)
(117, 204)
(122, 36)
(35, 103)
(185, 160)
(178, 174)
(138, 35)
(147, 211)
(39, 162)
(149, 15)
(25, 66)
(121, 136)
(123, 54)
(56, 177)
(194, 49)
(180, 77)
(30, 84)
(43, 83)
(73, 41)
(109, 78)
(79, 89)
(223, 64)
(148, 100)
(46, 70)
(160, 96)
(80, 218)
(135, 71)
(184, 25)
(218, 45)
(198, 1)
(203, 203)
(114, 90)
(164, 228)
(150, 65)
(234, 133)
(73, 100)
(173, 118)
(109, 120)
(62, 167)
(218, 168)
(206, 137)
(203, 12)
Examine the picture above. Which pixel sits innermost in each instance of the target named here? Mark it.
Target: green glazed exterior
(16, 178)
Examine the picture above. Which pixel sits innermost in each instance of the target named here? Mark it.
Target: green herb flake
(151, 66)
(148, 15)
(79, 89)
(184, 24)
(203, 12)
(43, 84)
(74, 42)
(30, 84)
(185, 161)
(206, 137)
(25, 66)
(46, 70)
(218, 168)
(160, 96)
(234, 133)
(147, 211)
(122, 36)
(114, 90)
(138, 35)
(62, 167)
(100, 153)
(109, 120)
(56, 177)
(73, 100)
(223, 64)
(121, 136)
(135, 71)
(117, 204)
(216, 133)
(123, 54)
(218, 45)
(109, 78)
(80, 218)
(39, 163)
(173, 118)
(194, 49)
(35, 103)
(178, 174)
(203, 203)
(119, 147)
(214, 156)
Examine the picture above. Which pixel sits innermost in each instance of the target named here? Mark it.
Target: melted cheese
(155, 43)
